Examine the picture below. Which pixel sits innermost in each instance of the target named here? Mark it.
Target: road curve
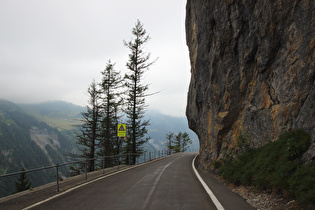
(169, 183)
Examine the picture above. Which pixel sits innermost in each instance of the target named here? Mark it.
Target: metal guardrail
(146, 157)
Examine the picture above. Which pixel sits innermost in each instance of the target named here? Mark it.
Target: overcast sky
(53, 49)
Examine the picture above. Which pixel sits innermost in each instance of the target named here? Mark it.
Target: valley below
(39, 135)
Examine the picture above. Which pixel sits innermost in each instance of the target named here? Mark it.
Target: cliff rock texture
(252, 70)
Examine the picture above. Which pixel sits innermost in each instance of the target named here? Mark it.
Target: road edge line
(205, 186)
(73, 188)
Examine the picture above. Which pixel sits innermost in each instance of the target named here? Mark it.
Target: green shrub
(217, 164)
(244, 141)
(247, 176)
(277, 165)
(296, 143)
(302, 184)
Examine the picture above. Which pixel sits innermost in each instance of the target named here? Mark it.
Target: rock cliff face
(252, 70)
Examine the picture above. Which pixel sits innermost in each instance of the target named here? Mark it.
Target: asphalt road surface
(169, 183)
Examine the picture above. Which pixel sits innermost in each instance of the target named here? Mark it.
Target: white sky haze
(53, 49)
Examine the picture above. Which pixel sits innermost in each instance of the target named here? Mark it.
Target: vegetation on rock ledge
(276, 166)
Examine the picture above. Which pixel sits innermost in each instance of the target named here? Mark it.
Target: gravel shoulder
(261, 199)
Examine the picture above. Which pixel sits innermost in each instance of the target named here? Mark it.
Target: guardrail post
(57, 175)
(104, 164)
(129, 157)
(86, 169)
(118, 161)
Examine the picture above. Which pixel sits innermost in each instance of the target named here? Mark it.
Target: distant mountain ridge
(54, 107)
(161, 124)
(66, 117)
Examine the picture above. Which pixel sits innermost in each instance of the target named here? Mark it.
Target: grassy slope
(58, 114)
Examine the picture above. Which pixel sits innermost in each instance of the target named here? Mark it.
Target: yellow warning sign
(121, 130)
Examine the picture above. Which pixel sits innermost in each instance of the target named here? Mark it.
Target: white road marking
(71, 189)
(154, 186)
(210, 193)
(94, 180)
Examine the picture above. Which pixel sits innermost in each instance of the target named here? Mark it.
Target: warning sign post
(121, 130)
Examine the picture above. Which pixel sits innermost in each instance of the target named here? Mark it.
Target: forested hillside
(66, 117)
(27, 142)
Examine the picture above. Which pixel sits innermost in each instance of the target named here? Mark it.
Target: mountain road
(169, 183)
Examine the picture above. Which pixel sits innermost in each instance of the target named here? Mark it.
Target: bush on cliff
(277, 166)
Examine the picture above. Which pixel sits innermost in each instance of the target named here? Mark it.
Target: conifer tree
(89, 136)
(111, 109)
(180, 141)
(23, 182)
(170, 142)
(138, 63)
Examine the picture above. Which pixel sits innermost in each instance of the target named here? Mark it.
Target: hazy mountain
(58, 114)
(66, 117)
(161, 124)
(27, 142)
